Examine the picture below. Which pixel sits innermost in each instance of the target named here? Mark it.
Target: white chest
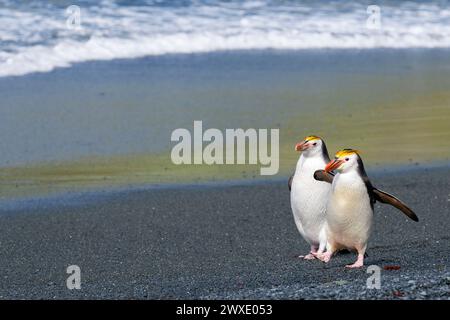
(308, 196)
(349, 203)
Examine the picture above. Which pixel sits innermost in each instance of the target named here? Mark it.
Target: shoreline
(80, 195)
(231, 52)
(131, 107)
(117, 132)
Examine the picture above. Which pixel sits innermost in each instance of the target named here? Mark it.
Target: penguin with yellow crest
(350, 205)
(309, 196)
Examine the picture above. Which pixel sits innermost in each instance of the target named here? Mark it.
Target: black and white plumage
(349, 212)
(309, 196)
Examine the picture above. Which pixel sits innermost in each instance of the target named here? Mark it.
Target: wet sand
(102, 124)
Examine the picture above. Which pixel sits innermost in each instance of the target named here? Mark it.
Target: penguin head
(311, 146)
(344, 161)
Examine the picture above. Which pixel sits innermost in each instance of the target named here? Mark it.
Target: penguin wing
(322, 175)
(290, 182)
(379, 195)
(385, 197)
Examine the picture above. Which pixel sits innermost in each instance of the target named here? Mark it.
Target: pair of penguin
(335, 212)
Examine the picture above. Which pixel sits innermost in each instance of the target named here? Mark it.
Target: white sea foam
(35, 38)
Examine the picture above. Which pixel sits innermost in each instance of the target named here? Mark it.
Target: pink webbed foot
(324, 257)
(309, 256)
(355, 265)
(358, 263)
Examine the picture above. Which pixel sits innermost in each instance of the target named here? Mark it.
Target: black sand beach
(92, 93)
(220, 242)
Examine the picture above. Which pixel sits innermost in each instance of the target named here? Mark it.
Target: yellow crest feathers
(346, 152)
(310, 138)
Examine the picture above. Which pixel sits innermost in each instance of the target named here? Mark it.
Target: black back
(369, 186)
(325, 155)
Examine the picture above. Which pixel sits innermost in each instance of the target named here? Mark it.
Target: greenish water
(109, 124)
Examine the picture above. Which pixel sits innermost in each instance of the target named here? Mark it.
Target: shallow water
(109, 123)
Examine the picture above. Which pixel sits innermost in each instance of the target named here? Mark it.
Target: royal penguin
(309, 196)
(350, 206)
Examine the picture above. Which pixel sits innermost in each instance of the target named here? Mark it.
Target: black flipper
(385, 197)
(322, 175)
(290, 182)
(379, 195)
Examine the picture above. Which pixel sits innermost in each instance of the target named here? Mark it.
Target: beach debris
(391, 267)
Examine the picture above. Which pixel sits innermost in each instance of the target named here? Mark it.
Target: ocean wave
(36, 38)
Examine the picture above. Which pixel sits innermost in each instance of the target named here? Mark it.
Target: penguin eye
(315, 143)
(346, 159)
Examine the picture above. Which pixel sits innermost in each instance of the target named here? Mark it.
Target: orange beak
(301, 146)
(333, 165)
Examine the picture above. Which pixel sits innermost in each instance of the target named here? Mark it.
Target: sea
(39, 36)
